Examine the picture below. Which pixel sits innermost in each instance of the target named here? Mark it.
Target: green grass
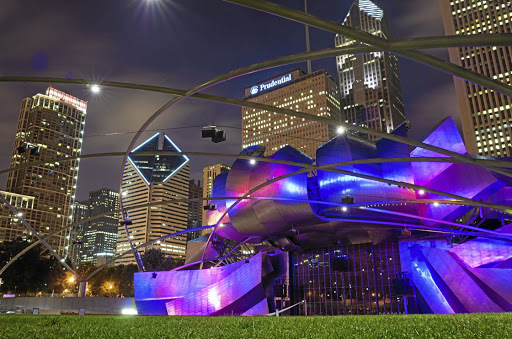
(385, 326)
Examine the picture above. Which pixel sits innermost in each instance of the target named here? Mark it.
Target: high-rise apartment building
(315, 93)
(371, 95)
(209, 175)
(486, 116)
(50, 126)
(80, 212)
(151, 179)
(195, 208)
(100, 235)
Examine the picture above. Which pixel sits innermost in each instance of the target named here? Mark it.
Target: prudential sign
(264, 87)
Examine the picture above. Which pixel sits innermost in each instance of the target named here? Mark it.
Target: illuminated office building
(486, 116)
(209, 174)
(315, 93)
(80, 212)
(50, 126)
(100, 235)
(370, 90)
(150, 179)
(195, 208)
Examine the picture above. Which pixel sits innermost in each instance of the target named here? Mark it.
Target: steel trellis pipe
(226, 198)
(312, 167)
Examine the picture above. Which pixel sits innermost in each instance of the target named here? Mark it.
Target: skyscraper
(50, 126)
(195, 208)
(100, 235)
(152, 179)
(486, 115)
(209, 174)
(80, 212)
(315, 93)
(371, 95)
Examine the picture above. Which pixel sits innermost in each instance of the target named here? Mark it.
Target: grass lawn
(385, 326)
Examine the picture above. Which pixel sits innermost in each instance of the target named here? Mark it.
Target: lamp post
(82, 289)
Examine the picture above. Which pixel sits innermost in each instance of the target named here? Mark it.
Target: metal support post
(82, 289)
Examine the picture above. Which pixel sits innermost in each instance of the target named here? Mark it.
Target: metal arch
(167, 202)
(491, 165)
(398, 224)
(365, 37)
(323, 120)
(187, 95)
(323, 167)
(311, 167)
(429, 60)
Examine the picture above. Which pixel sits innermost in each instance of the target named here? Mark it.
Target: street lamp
(95, 89)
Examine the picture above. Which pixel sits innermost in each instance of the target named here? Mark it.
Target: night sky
(179, 44)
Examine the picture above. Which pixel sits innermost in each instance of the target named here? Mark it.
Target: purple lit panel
(220, 293)
(234, 288)
(460, 283)
(499, 280)
(446, 136)
(259, 309)
(424, 280)
(478, 252)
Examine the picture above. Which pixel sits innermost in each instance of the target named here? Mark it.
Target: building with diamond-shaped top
(150, 179)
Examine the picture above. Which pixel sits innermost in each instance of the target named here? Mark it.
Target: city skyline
(113, 105)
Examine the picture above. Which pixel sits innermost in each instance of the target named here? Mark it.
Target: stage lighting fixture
(348, 200)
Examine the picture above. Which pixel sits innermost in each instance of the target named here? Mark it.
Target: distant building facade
(486, 116)
(315, 93)
(50, 126)
(154, 179)
(209, 174)
(80, 212)
(100, 235)
(371, 95)
(195, 208)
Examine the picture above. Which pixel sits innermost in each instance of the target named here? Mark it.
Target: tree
(30, 273)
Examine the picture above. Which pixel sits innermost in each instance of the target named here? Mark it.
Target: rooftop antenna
(308, 47)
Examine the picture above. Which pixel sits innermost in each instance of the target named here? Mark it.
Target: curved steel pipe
(491, 165)
(312, 167)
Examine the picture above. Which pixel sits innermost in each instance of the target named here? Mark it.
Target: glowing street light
(421, 192)
(72, 279)
(252, 162)
(340, 130)
(344, 209)
(19, 214)
(95, 89)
